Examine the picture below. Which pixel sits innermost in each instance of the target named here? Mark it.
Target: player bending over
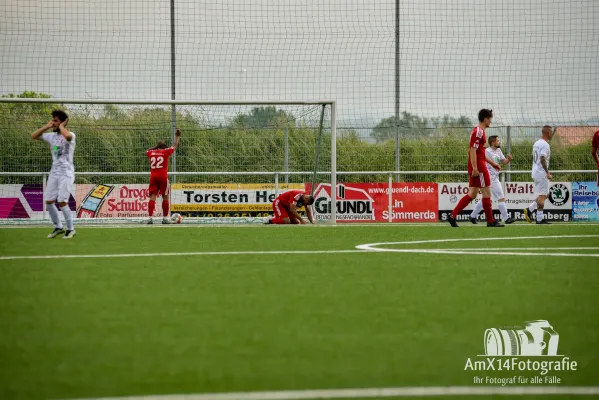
(286, 205)
(494, 153)
(479, 180)
(159, 185)
(595, 147)
(540, 173)
(62, 174)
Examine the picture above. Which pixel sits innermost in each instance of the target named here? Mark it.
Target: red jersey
(596, 140)
(478, 138)
(159, 161)
(290, 197)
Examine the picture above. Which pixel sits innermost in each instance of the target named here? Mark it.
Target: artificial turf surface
(93, 327)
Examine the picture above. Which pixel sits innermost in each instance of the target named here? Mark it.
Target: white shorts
(541, 187)
(59, 188)
(497, 190)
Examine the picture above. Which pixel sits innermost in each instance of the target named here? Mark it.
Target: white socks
(477, 209)
(53, 211)
(68, 217)
(503, 211)
(539, 215)
(532, 206)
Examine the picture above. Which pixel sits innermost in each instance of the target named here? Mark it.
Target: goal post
(234, 156)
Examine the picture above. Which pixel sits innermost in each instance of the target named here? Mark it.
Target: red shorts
(279, 209)
(482, 180)
(159, 186)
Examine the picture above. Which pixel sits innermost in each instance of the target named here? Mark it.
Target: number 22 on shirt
(156, 162)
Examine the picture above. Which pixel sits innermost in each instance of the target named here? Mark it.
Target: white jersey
(540, 149)
(497, 156)
(62, 153)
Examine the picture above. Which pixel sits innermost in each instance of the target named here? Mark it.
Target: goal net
(232, 161)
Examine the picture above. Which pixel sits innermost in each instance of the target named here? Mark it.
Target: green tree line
(114, 138)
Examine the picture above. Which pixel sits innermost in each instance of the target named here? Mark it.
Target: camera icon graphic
(535, 338)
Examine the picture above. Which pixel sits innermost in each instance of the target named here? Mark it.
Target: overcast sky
(531, 61)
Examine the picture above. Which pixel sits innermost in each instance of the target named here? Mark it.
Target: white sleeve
(501, 156)
(46, 137)
(73, 139)
(544, 150)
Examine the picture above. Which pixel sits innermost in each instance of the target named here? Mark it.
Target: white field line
(364, 248)
(374, 246)
(488, 253)
(424, 391)
(194, 253)
(495, 251)
(528, 248)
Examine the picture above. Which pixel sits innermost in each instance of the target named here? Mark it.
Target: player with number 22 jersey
(159, 185)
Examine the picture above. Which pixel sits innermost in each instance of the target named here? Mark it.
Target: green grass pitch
(305, 318)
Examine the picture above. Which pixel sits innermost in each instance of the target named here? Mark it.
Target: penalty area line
(407, 391)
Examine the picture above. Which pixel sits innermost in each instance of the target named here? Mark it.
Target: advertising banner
(226, 200)
(585, 201)
(25, 201)
(368, 202)
(518, 195)
(114, 201)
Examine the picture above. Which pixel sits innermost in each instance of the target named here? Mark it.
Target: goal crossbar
(165, 102)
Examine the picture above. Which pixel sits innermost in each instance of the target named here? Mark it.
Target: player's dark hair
(61, 115)
(310, 200)
(484, 113)
(492, 139)
(159, 145)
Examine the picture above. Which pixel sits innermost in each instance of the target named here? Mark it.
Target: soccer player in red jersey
(480, 180)
(595, 145)
(286, 205)
(159, 185)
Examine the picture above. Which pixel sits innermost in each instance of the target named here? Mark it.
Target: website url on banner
(406, 189)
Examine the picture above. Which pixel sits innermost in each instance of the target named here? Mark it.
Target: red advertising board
(367, 202)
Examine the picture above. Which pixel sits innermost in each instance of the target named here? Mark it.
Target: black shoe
(473, 220)
(56, 232)
(452, 221)
(509, 221)
(543, 222)
(495, 224)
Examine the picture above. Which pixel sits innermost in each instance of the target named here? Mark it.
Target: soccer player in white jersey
(494, 153)
(62, 174)
(541, 175)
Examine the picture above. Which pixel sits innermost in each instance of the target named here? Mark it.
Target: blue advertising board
(585, 201)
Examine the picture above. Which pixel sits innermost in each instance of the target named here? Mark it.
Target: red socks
(278, 221)
(488, 207)
(463, 203)
(151, 207)
(166, 208)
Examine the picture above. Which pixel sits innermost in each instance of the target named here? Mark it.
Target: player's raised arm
(62, 128)
(177, 138)
(37, 135)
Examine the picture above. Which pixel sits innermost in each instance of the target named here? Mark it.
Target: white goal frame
(174, 103)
